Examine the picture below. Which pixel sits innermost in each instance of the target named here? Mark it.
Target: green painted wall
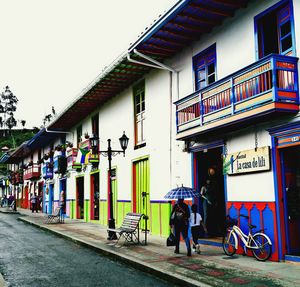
(87, 211)
(73, 209)
(103, 212)
(122, 208)
(159, 219)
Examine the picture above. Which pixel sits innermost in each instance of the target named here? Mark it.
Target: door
(26, 197)
(63, 194)
(95, 192)
(290, 161)
(209, 166)
(80, 198)
(141, 189)
(51, 197)
(115, 193)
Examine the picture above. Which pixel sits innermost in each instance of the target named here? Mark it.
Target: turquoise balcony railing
(268, 86)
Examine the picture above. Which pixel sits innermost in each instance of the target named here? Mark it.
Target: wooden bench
(129, 229)
(56, 217)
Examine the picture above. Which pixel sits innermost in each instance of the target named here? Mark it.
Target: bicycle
(259, 243)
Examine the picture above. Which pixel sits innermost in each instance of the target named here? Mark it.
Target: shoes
(176, 251)
(189, 253)
(198, 248)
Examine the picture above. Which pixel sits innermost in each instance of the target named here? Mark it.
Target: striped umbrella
(182, 192)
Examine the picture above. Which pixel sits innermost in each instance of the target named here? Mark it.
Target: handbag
(171, 240)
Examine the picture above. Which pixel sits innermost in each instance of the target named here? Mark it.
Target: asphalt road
(32, 257)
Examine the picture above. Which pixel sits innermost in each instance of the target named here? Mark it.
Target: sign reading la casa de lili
(247, 161)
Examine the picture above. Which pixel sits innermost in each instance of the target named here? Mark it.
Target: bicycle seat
(251, 226)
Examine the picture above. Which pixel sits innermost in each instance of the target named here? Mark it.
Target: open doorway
(80, 197)
(290, 159)
(95, 196)
(209, 166)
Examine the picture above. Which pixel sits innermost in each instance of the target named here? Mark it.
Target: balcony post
(232, 95)
(201, 109)
(274, 79)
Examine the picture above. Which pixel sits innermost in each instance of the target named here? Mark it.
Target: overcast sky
(52, 49)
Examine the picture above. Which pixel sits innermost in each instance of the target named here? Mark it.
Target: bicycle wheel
(261, 247)
(229, 243)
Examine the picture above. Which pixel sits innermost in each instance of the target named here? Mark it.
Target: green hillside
(14, 139)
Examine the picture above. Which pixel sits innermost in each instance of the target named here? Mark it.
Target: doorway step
(213, 241)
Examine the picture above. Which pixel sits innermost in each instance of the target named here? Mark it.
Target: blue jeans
(181, 228)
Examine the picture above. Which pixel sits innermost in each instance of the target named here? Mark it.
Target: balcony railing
(60, 163)
(47, 170)
(33, 171)
(19, 176)
(71, 159)
(269, 85)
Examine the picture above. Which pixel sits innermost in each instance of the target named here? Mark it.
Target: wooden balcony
(31, 172)
(60, 163)
(71, 159)
(259, 92)
(47, 170)
(19, 176)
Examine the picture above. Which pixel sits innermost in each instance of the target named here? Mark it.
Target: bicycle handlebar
(245, 216)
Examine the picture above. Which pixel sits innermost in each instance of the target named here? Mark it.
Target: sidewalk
(211, 268)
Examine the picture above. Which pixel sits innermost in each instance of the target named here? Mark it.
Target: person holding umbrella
(180, 220)
(180, 215)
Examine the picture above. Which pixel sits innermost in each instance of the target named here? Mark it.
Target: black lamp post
(110, 153)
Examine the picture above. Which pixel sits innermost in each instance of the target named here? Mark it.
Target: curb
(9, 212)
(165, 275)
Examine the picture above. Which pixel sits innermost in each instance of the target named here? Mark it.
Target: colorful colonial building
(212, 85)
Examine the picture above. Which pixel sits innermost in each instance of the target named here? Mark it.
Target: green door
(141, 188)
(115, 194)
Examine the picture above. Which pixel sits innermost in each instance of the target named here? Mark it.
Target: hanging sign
(247, 161)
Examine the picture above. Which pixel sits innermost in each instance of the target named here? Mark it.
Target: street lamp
(109, 153)
(94, 141)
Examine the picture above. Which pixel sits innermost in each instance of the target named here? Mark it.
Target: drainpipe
(172, 71)
(57, 132)
(60, 132)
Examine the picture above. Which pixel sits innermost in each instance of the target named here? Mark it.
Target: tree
(23, 122)
(48, 118)
(8, 106)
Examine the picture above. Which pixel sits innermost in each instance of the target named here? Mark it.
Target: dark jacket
(180, 214)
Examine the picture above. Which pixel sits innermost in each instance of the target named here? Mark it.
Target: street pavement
(211, 268)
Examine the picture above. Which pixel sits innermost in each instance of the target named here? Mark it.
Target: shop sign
(247, 161)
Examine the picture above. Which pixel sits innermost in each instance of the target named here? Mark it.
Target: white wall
(252, 186)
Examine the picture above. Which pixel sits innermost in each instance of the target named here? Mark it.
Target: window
(204, 65)
(79, 134)
(274, 31)
(139, 114)
(95, 125)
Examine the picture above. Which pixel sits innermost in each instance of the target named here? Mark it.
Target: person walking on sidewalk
(195, 222)
(33, 201)
(180, 220)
